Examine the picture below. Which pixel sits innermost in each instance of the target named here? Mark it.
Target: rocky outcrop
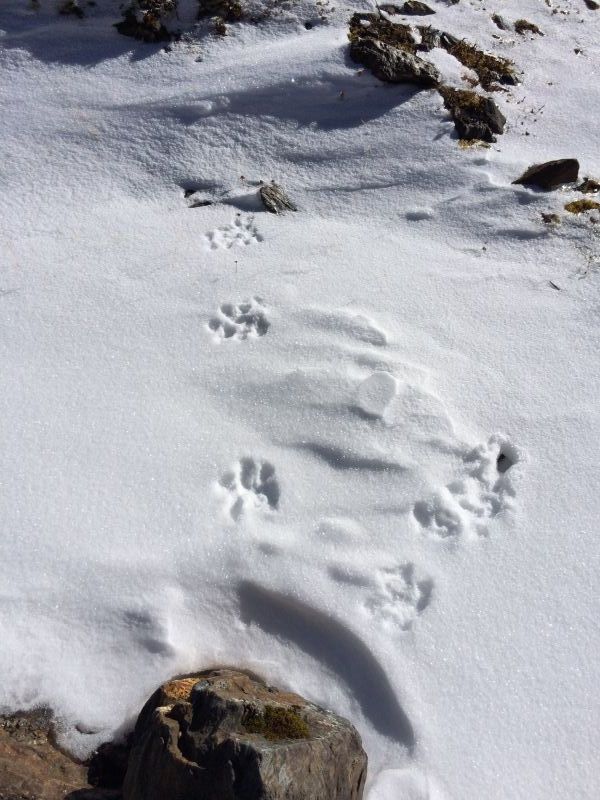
(475, 116)
(226, 735)
(392, 64)
(551, 174)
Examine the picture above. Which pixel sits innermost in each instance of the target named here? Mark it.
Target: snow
(230, 437)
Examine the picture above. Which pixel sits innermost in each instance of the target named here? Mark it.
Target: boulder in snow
(225, 735)
(551, 174)
(394, 65)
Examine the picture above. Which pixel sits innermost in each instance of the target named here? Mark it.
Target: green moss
(579, 206)
(276, 723)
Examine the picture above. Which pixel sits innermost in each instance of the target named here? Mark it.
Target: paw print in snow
(467, 506)
(250, 486)
(401, 595)
(243, 321)
(242, 231)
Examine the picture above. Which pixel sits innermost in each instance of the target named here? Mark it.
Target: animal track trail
(239, 322)
(401, 595)
(251, 486)
(241, 232)
(466, 506)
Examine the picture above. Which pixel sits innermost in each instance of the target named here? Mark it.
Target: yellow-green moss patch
(276, 723)
(580, 206)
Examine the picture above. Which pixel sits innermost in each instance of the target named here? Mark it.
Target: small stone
(551, 174)
(589, 186)
(416, 8)
(394, 65)
(593, 5)
(225, 734)
(275, 199)
(523, 26)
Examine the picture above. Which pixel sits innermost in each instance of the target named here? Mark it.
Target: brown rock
(416, 8)
(551, 174)
(225, 735)
(31, 766)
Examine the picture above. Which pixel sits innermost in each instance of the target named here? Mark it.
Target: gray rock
(475, 116)
(226, 735)
(275, 199)
(394, 65)
(551, 174)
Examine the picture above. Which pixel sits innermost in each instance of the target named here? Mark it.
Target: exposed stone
(275, 199)
(31, 766)
(475, 116)
(416, 8)
(523, 26)
(593, 5)
(71, 8)
(589, 186)
(500, 22)
(393, 64)
(145, 20)
(550, 174)
(226, 735)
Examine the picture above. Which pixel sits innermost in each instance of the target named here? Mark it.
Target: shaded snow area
(354, 447)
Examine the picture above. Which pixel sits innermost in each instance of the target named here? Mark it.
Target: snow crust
(354, 448)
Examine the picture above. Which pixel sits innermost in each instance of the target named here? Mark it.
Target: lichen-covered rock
(275, 199)
(226, 735)
(394, 65)
(551, 174)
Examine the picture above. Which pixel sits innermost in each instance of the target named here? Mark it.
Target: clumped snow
(354, 447)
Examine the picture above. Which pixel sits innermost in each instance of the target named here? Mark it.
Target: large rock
(416, 8)
(551, 174)
(394, 65)
(226, 735)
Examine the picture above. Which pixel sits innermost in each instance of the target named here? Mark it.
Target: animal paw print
(401, 595)
(250, 486)
(242, 231)
(467, 506)
(241, 321)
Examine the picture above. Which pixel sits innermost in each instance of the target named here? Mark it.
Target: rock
(500, 22)
(581, 206)
(71, 8)
(275, 199)
(32, 768)
(394, 65)
(225, 735)
(589, 186)
(475, 116)
(415, 8)
(145, 19)
(550, 174)
(593, 5)
(523, 26)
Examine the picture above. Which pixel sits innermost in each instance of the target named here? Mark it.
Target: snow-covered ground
(229, 437)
